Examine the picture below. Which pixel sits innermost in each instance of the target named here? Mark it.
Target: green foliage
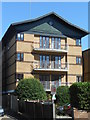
(30, 89)
(80, 95)
(62, 95)
(49, 97)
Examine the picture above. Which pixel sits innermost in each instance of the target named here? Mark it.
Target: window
(55, 43)
(78, 60)
(44, 42)
(45, 80)
(20, 56)
(78, 79)
(56, 80)
(44, 61)
(55, 62)
(19, 77)
(20, 36)
(78, 42)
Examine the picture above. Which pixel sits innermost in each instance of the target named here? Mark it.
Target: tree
(30, 89)
(80, 95)
(62, 94)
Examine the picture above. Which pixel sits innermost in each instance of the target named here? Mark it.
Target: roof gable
(59, 25)
(65, 27)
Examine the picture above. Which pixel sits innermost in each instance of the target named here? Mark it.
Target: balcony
(48, 84)
(50, 66)
(59, 49)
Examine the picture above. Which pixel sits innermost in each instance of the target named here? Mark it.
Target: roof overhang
(62, 25)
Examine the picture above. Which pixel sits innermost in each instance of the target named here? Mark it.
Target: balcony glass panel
(41, 42)
(55, 43)
(47, 42)
(52, 43)
(56, 80)
(59, 43)
(44, 45)
(44, 62)
(45, 80)
(53, 46)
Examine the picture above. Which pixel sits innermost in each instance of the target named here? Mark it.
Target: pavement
(9, 115)
(12, 116)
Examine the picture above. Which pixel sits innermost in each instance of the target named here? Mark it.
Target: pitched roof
(51, 13)
(61, 26)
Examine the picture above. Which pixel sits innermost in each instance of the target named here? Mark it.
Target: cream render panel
(28, 76)
(24, 46)
(23, 67)
(63, 79)
(31, 57)
(71, 59)
(28, 57)
(75, 69)
(75, 50)
(71, 79)
(71, 41)
(29, 37)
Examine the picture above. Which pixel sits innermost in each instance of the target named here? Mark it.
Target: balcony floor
(51, 70)
(50, 50)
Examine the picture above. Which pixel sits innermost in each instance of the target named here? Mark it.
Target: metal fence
(36, 109)
(31, 109)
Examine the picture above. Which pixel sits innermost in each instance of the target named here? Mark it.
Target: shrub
(30, 89)
(62, 95)
(80, 95)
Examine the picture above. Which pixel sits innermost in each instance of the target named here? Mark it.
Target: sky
(74, 12)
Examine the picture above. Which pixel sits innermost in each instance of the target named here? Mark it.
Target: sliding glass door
(55, 43)
(44, 61)
(44, 42)
(55, 62)
(56, 80)
(45, 80)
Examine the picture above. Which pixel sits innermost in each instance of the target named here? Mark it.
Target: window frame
(20, 37)
(45, 80)
(55, 42)
(77, 60)
(78, 42)
(21, 76)
(78, 78)
(43, 59)
(21, 59)
(43, 42)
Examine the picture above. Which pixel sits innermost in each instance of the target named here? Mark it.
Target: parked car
(1, 111)
(65, 109)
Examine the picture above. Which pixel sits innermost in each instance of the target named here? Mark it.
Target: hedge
(30, 89)
(62, 95)
(80, 95)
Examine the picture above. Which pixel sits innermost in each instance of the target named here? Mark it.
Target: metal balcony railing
(48, 84)
(50, 65)
(61, 48)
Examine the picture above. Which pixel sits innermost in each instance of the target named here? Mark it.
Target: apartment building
(47, 48)
(86, 65)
